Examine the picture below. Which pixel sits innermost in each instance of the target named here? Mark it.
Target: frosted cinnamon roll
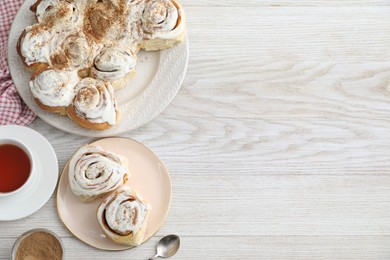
(116, 65)
(123, 216)
(94, 106)
(76, 51)
(54, 90)
(94, 172)
(163, 22)
(62, 11)
(37, 43)
(34, 47)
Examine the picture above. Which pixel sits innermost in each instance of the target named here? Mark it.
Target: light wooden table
(278, 143)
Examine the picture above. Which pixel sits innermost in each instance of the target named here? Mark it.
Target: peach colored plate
(149, 177)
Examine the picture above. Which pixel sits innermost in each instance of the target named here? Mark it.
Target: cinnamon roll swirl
(115, 64)
(123, 216)
(54, 90)
(76, 51)
(34, 47)
(94, 105)
(163, 22)
(94, 172)
(37, 43)
(63, 11)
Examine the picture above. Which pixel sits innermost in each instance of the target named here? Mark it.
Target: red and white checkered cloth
(12, 108)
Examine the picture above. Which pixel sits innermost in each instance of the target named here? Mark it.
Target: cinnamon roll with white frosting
(54, 90)
(115, 64)
(94, 105)
(123, 216)
(37, 43)
(163, 22)
(63, 11)
(94, 172)
(76, 51)
(34, 47)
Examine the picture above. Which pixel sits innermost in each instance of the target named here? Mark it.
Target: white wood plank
(247, 247)
(198, 146)
(280, 3)
(283, 89)
(354, 33)
(239, 205)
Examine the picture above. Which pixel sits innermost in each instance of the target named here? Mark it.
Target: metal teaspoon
(167, 246)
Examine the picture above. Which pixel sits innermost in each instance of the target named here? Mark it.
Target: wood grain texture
(281, 3)
(278, 143)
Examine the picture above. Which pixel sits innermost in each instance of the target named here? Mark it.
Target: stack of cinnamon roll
(80, 51)
(122, 214)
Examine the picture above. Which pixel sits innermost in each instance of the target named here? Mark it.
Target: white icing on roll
(163, 19)
(35, 47)
(95, 101)
(123, 211)
(79, 51)
(61, 10)
(55, 88)
(114, 63)
(132, 36)
(136, 8)
(94, 172)
(39, 43)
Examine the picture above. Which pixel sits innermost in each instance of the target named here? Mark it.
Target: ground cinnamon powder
(39, 246)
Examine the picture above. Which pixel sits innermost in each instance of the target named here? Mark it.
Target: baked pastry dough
(56, 19)
(163, 23)
(76, 52)
(97, 39)
(116, 65)
(46, 10)
(94, 172)
(123, 216)
(94, 105)
(54, 90)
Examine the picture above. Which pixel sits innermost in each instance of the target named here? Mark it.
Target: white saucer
(31, 199)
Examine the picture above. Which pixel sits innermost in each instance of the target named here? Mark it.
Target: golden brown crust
(85, 123)
(58, 110)
(37, 72)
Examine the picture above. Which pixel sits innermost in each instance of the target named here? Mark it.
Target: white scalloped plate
(158, 79)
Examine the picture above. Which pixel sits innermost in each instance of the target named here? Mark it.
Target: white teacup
(27, 151)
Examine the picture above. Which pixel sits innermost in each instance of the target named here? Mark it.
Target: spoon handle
(154, 257)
